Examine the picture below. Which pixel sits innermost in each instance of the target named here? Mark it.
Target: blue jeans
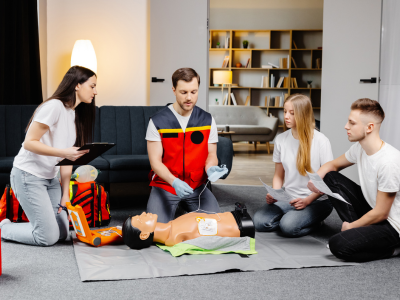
(39, 198)
(292, 222)
(164, 204)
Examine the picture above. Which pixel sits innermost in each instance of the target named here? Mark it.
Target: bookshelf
(267, 46)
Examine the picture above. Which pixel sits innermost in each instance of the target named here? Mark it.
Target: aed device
(98, 237)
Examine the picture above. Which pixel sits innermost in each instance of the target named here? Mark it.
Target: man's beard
(185, 108)
(359, 139)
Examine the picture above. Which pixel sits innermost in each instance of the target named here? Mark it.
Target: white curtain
(389, 93)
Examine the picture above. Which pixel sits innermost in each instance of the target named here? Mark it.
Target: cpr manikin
(140, 231)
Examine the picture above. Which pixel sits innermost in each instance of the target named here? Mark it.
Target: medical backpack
(10, 207)
(91, 196)
(94, 201)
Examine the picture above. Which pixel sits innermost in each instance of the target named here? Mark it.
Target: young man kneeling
(371, 224)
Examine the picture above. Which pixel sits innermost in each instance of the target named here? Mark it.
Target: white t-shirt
(153, 135)
(61, 135)
(380, 171)
(285, 152)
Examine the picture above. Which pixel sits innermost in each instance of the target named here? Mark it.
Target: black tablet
(95, 150)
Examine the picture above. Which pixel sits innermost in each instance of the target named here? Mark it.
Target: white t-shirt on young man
(285, 152)
(61, 135)
(153, 135)
(380, 171)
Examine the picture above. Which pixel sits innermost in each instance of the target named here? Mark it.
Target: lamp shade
(222, 77)
(83, 55)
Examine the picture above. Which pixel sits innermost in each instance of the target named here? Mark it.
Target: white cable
(198, 209)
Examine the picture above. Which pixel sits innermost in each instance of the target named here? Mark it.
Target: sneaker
(5, 221)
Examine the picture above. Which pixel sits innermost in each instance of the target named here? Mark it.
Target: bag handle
(9, 205)
(20, 212)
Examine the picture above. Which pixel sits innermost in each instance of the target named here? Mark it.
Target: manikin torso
(186, 227)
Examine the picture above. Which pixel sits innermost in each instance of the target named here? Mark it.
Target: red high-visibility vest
(185, 153)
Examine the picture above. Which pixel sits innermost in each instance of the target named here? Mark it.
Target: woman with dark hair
(58, 127)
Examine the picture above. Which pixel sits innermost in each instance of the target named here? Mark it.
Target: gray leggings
(164, 204)
(39, 198)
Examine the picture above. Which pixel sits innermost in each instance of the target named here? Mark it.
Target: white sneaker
(5, 221)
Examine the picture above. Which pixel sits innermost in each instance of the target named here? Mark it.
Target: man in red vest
(182, 145)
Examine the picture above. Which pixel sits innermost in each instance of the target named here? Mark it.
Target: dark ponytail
(84, 113)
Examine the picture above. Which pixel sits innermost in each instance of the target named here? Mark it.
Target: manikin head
(365, 119)
(186, 84)
(138, 231)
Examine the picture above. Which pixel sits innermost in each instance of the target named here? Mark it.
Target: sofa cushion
(247, 129)
(6, 164)
(99, 163)
(128, 162)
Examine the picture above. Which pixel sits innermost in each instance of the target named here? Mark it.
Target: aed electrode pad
(207, 227)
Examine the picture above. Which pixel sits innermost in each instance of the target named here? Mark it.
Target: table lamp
(222, 77)
(83, 55)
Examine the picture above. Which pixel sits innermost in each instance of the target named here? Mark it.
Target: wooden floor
(250, 164)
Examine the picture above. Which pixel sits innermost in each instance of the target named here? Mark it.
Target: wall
(389, 90)
(266, 14)
(42, 17)
(119, 33)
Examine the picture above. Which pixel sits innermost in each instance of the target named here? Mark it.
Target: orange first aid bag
(94, 201)
(10, 207)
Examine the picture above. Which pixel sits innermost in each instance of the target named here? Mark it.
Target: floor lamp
(83, 55)
(222, 77)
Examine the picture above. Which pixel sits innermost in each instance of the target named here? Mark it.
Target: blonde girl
(298, 149)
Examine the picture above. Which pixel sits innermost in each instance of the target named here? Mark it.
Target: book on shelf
(318, 63)
(278, 85)
(227, 40)
(225, 100)
(267, 101)
(283, 63)
(285, 82)
(233, 99)
(271, 101)
(294, 63)
(271, 64)
(288, 62)
(272, 81)
(248, 63)
(226, 62)
(247, 101)
(295, 82)
(277, 101)
(294, 45)
(266, 67)
(264, 82)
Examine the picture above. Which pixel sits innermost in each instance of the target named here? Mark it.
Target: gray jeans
(39, 198)
(164, 204)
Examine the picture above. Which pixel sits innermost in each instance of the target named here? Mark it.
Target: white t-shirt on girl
(380, 171)
(285, 152)
(61, 135)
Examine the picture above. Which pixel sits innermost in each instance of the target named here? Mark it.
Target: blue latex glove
(182, 189)
(216, 172)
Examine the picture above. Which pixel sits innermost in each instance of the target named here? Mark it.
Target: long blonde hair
(305, 123)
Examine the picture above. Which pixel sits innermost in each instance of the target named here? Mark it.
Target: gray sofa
(249, 123)
(124, 125)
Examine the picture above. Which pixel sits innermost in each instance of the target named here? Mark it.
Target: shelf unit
(267, 46)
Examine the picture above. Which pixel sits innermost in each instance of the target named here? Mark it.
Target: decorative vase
(238, 65)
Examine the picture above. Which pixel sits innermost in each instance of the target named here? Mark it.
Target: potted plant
(245, 44)
(218, 45)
